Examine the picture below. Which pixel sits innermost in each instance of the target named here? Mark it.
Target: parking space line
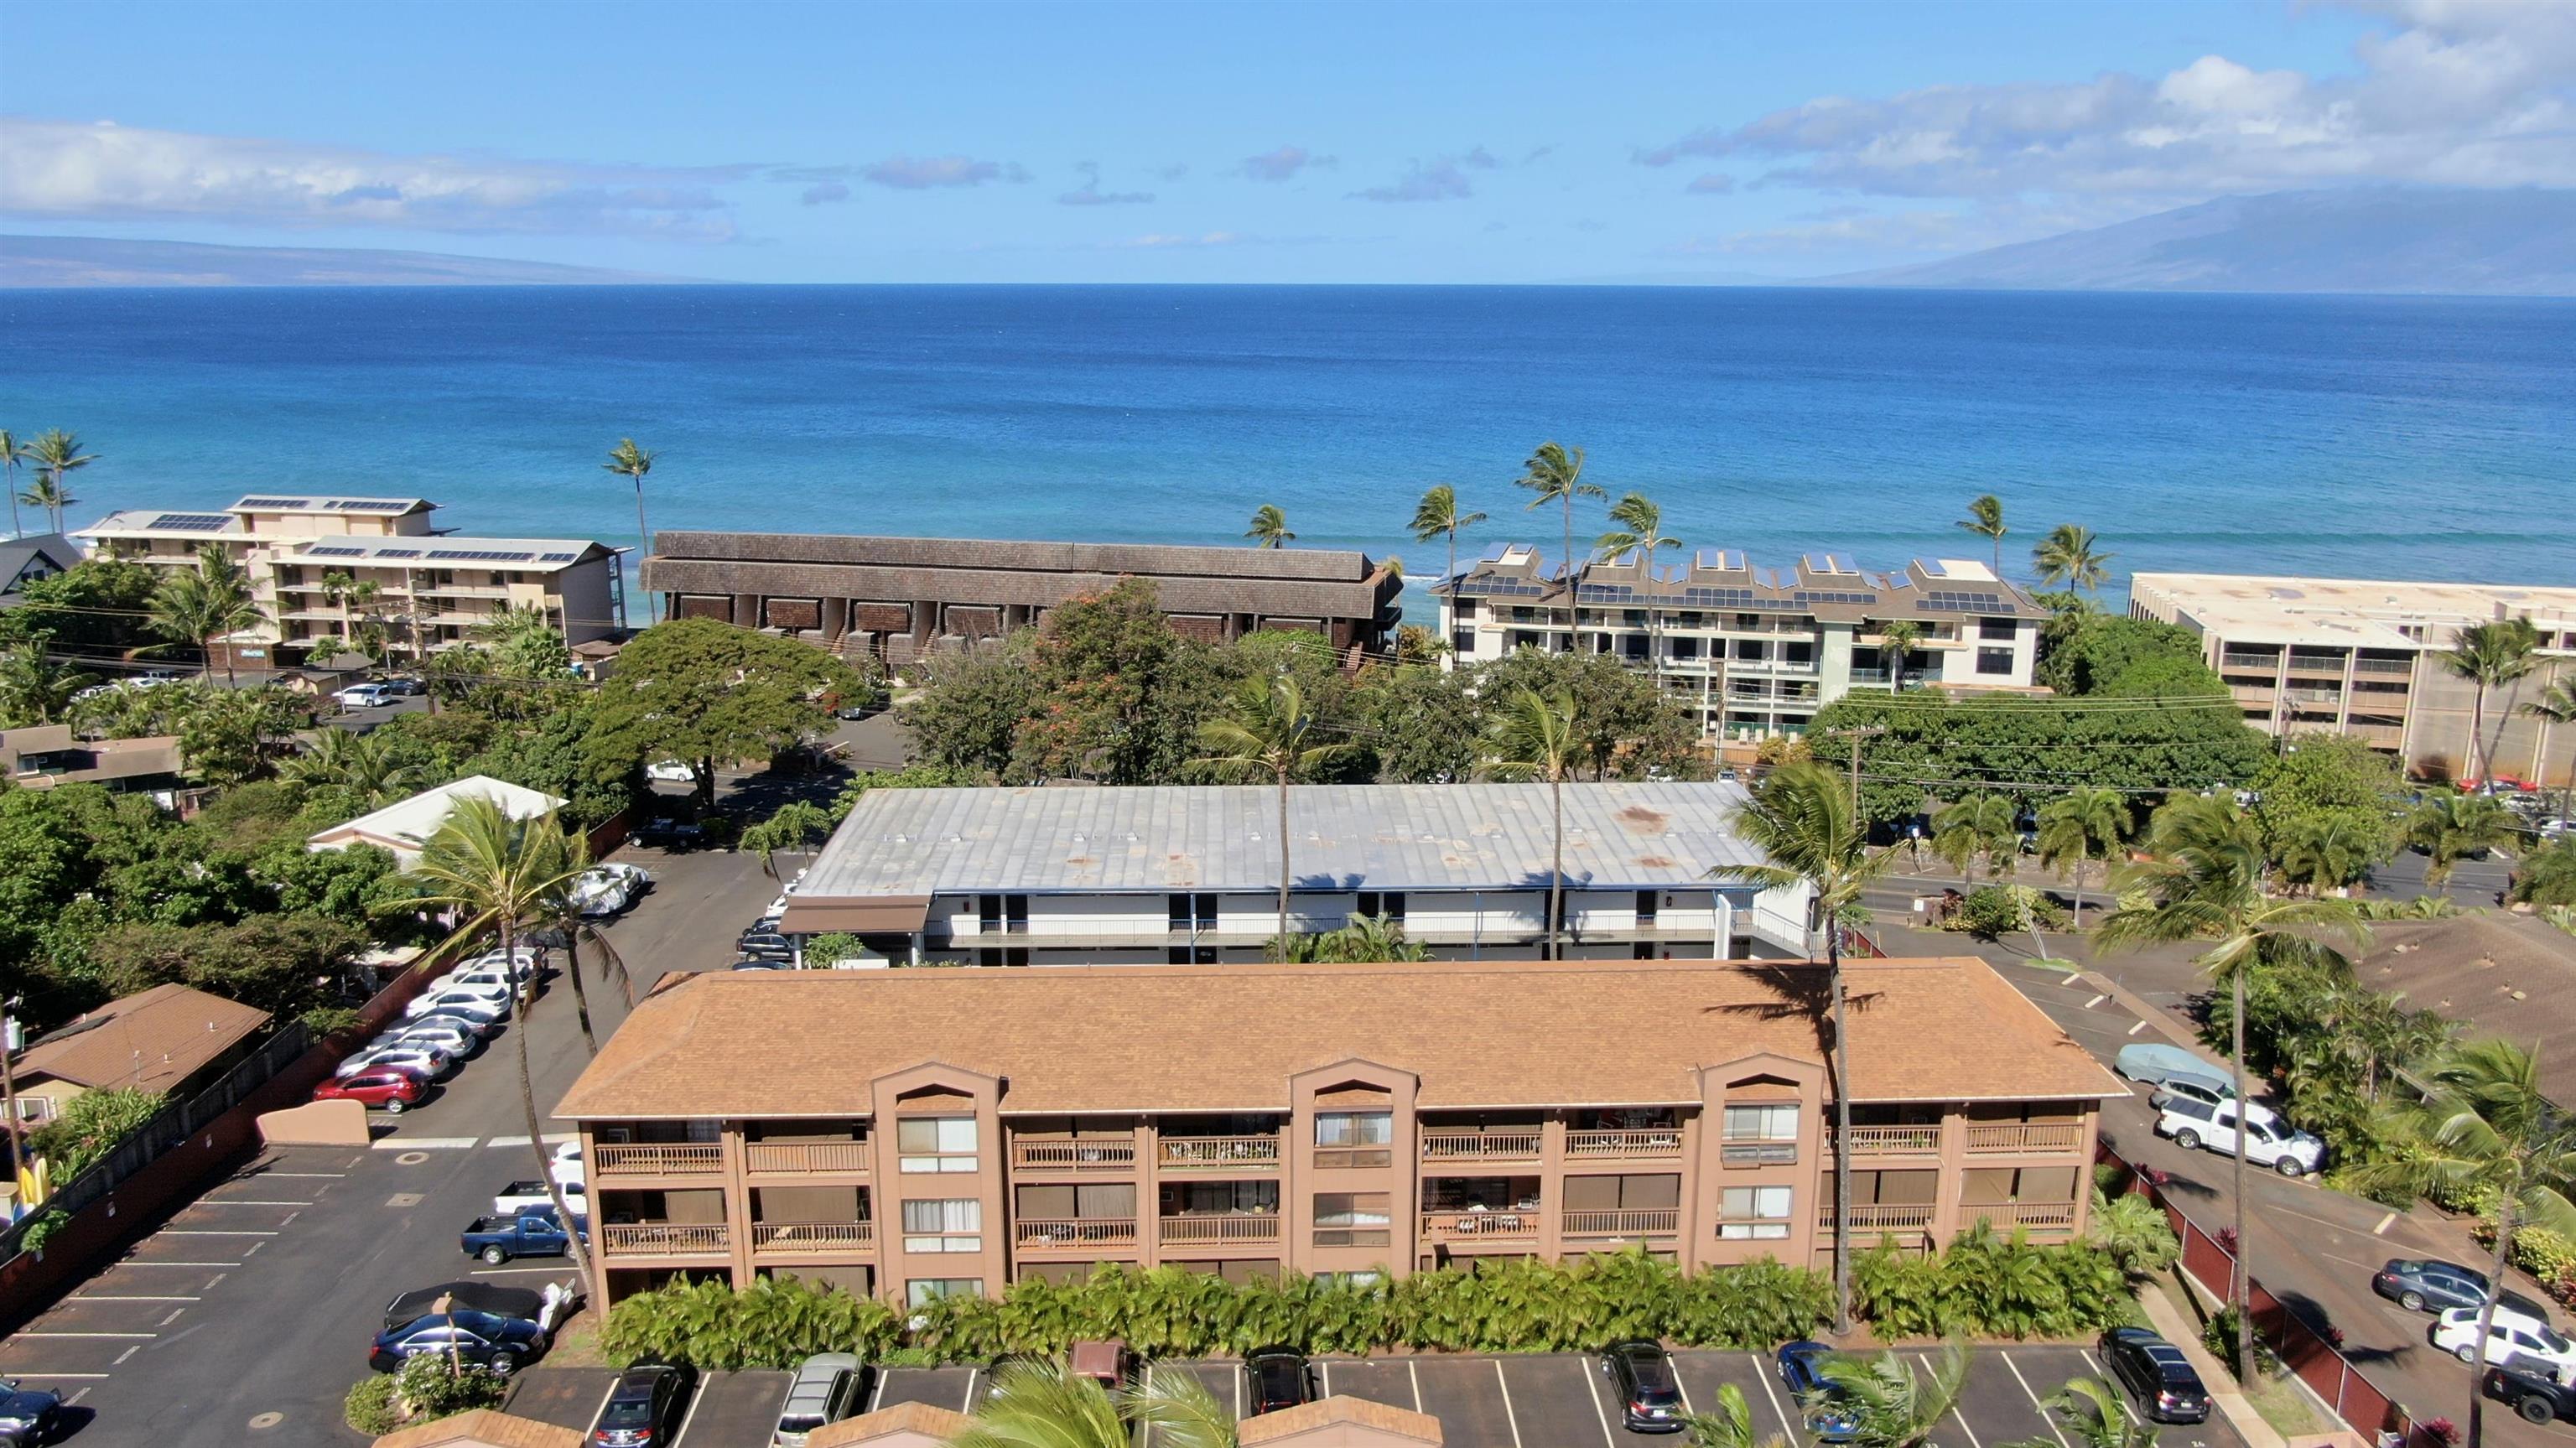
(2097, 1000)
(1954, 1408)
(592, 1430)
(207, 1232)
(57, 1377)
(876, 1394)
(1416, 1379)
(117, 1335)
(1684, 1389)
(173, 1317)
(968, 1406)
(2117, 1396)
(299, 1174)
(130, 1351)
(426, 1143)
(2384, 1224)
(1510, 1418)
(516, 1271)
(121, 1297)
(1238, 1394)
(74, 1400)
(246, 1202)
(2045, 1416)
(697, 1395)
(2140, 1026)
(1592, 1390)
(139, 1262)
(1145, 1434)
(1762, 1375)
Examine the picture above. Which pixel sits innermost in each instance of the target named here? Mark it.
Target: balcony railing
(1664, 1141)
(1068, 1234)
(2044, 1215)
(2233, 660)
(665, 1239)
(1481, 1226)
(2383, 666)
(689, 1158)
(806, 1156)
(1881, 1218)
(1629, 1222)
(2021, 1136)
(1896, 1140)
(1215, 1153)
(1100, 1155)
(1220, 1227)
(1480, 1145)
(811, 1239)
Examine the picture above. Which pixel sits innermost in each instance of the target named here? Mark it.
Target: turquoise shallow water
(2393, 437)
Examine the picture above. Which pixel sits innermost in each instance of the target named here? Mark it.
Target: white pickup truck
(530, 1195)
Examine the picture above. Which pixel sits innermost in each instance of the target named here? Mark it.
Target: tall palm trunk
(2239, 1279)
(228, 663)
(2478, 733)
(580, 998)
(1283, 864)
(1842, 1132)
(2486, 1315)
(520, 994)
(2082, 856)
(1570, 614)
(1556, 867)
(643, 540)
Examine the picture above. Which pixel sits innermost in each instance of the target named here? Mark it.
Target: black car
(750, 964)
(485, 1297)
(1276, 1378)
(2434, 1286)
(669, 834)
(503, 1344)
(2168, 1391)
(643, 1410)
(764, 945)
(1802, 1372)
(1650, 1396)
(28, 1416)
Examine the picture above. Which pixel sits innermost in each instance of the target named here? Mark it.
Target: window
(1463, 607)
(1798, 653)
(1389, 903)
(1751, 649)
(936, 1143)
(1354, 1138)
(1351, 1219)
(1462, 641)
(1993, 662)
(1002, 914)
(1995, 628)
(922, 1291)
(1754, 1214)
(1760, 1134)
(953, 1224)
(1647, 900)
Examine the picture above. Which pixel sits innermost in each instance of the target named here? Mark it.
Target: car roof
(2133, 1334)
(477, 1296)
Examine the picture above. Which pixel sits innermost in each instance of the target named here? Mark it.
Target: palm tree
(2066, 556)
(2204, 882)
(1730, 1424)
(1035, 1403)
(34, 689)
(1979, 826)
(196, 607)
(1986, 520)
(2093, 1413)
(2557, 705)
(1641, 530)
(2490, 655)
(559, 913)
(1807, 826)
(53, 453)
(1897, 637)
(2548, 875)
(1269, 527)
(1537, 738)
(1554, 474)
(634, 462)
(2329, 852)
(797, 825)
(494, 874)
(11, 450)
(2485, 1127)
(362, 763)
(1890, 1406)
(1438, 514)
(2453, 827)
(2088, 822)
(1265, 732)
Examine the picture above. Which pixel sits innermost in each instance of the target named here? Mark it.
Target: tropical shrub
(1988, 1286)
(1990, 911)
(424, 1389)
(90, 1127)
(775, 1322)
(2133, 1232)
(2219, 1336)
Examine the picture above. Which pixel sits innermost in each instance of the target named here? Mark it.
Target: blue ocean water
(2395, 437)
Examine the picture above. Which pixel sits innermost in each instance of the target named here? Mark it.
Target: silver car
(454, 1038)
(829, 1386)
(420, 1059)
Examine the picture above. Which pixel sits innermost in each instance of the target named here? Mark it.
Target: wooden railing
(2025, 1136)
(1221, 1227)
(2060, 1215)
(1067, 1234)
(1211, 1153)
(1881, 1218)
(1631, 1222)
(1483, 1226)
(806, 1156)
(1661, 1141)
(1897, 1140)
(811, 1238)
(661, 1239)
(688, 1158)
(1480, 1145)
(1080, 1155)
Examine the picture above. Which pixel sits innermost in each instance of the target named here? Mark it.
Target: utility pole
(9, 1088)
(1856, 733)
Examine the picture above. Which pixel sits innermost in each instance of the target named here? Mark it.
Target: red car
(391, 1090)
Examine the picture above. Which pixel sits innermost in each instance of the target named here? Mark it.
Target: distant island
(97, 261)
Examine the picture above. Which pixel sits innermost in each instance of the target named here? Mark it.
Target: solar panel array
(557, 557)
(276, 503)
(1499, 588)
(335, 552)
(480, 555)
(370, 505)
(397, 553)
(1942, 600)
(1831, 596)
(1605, 593)
(1732, 598)
(193, 522)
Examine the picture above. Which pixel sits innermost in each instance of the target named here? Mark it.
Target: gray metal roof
(1225, 837)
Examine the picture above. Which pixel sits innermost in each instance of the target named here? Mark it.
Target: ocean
(2349, 436)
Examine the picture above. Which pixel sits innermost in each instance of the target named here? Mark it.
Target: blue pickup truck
(537, 1233)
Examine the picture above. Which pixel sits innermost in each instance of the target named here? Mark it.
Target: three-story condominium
(914, 1133)
(323, 568)
(1750, 652)
(1184, 875)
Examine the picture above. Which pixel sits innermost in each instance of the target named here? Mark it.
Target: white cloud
(1158, 240)
(909, 173)
(1090, 194)
(105, 171)
(1282, 164)
(1442, 178)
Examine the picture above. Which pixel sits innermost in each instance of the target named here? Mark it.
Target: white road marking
(130, 1351)
(267, 1174)
(74, 1400)
(147, 1336)
(255, 1246)
(246, 1202)
(2097, 1000)
(697, 1395)
(289, 1219)
(173, 1317)
(588, 1432)
(121, 1297)
(147, 1262)
(1417, 1384)
(552, 1139)
(1238, 1394)
(1954, 1408)
(1326, 1368)
(1145, 1436)
(968, 1406)
(515, 1271)
(2119, 1394)
(2384, 1224)
(207, 1232)
(1684, 1389)
(218, 1277)
(2045, 1416)
(876, 1394)
(1511, 1419)
(427, 1143)
(2140, 1026)
(52, 1377)
(1592, 1390)
(1762, 1375)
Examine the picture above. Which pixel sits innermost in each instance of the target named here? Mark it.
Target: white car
(457, 1038)
(473, 977)
(2513, 1340)
(670, 771)
(362, 696)
(633, 877)
(531, 1196)
(598, 894)
(2269, 1141)
(490, 1001)
(567, 1169)
(475, 1026)
(420, 1059)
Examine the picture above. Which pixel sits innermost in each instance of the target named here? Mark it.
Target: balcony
(796, 1158)
(1480, 1145)
(688, 1158)
(1480, 1226)
(2235, 660)
(1227, 1228)
(1626, 1222)
(2040, 1216)
(1218, 1153)
(1655, 1142)
(1081, 1155)
(2024, 1136)
(1896, 1140)
(1075, 1234)
(1881, 1218)
(812, 1239)
(665, 1239)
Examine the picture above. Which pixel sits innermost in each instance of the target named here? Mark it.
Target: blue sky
(1220, 142)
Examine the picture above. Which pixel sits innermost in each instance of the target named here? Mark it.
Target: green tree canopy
(2123, 657)
(709, 693)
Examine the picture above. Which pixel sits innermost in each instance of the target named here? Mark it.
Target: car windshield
(1654, 1376)
(629, 1409)
(800, 1423)
(1279, 1379)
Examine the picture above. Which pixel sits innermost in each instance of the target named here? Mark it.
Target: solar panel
(368, 505)
(335, 552)
(276, 503)
(1829, 596)
(557, 557)
(397, 553)
(193, 522)
(482, 555)
(1943, 600)
(1605, 592)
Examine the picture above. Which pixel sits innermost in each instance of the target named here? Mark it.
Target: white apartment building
(1070, 875)
(1751, 652)
(430, 588)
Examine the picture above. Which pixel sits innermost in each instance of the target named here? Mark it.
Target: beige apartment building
(430, 588)
(2364, 658)
(914, 1133)
(1750, 652)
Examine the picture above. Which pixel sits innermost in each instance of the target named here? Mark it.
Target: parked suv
(643, 1409)
(829, 1386)
(2269, 1141)
(1650, 1394)
(2514, 1340)
(2167, 1389)
(1276, 1378)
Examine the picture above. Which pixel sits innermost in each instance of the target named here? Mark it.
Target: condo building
(322, 568)
(896, 599)
(1750, 652)
(919, 1133)
(2364, 658)
(1190, 875)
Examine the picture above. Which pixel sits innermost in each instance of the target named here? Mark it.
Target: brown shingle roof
(153, 1040)
(928, 1420)
(1385, 1423)
(2498, 975)
(1227, 1038)
(482, 1428)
